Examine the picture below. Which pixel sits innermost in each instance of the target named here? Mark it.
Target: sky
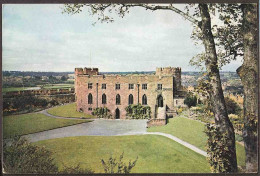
(39, 37)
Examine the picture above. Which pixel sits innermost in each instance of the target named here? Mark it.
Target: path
(105, 127)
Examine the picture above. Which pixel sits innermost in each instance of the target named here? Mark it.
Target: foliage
(75, 170)
(190, 100)
(112, 166)
(237, 121)
(23, 103)
(232, 106)
(217, 149)
(179, 110)
(19, 156)
(138, 111)
(102, 112)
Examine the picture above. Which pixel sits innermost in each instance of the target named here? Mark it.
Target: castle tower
(171, 71)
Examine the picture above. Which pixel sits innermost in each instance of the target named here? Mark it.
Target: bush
(232, 106)
(190, 100)
(75, 170)
(138, 111)
(19, 156)
(112, 166)
(102, 112)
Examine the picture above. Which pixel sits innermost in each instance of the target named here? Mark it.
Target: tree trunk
(218, 102)
(248, 74)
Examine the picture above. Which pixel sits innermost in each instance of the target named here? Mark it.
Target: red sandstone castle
(161, 91)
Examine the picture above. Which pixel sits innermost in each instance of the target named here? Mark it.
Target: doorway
(117, 113)
(160, 101)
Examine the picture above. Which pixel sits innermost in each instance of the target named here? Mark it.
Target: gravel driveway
(99, 127)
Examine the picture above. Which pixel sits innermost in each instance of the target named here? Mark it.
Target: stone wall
(156, 122)
(82, 91)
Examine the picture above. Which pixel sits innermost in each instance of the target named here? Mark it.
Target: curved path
(104, 127)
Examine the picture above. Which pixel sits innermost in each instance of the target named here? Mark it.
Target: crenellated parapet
(86, 71)
(168, 71)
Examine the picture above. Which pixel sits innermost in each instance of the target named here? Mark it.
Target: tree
(64, 78)
(22, 157)
(190, 100)
(210, 57)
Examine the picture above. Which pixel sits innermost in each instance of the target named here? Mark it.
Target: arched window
(144, 100)
(118, 99)
(104, 99)
(131, 99)
(90, 99)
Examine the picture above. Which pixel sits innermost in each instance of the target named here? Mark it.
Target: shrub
(102, 112)
(190, 100)
(75, 170)
(20, 156)
(112, 166)
(138, 111)
(232, 106)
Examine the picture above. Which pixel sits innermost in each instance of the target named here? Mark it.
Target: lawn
(12, 89)
(191, 131)
(68, 110)
(156, 154)
(32, 123)
(58, 86)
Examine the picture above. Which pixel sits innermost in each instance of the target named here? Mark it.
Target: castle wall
(82, 91)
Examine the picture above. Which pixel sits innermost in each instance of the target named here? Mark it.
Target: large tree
(201, 18)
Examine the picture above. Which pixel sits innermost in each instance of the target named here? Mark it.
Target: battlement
(168, 71)
(86, 71)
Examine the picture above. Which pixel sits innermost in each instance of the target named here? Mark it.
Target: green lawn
(156, 154)
(191, 131)
(58, 86)
(68, 110)
(32, 123)
(12, 89)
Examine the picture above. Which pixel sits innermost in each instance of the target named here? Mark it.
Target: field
(191, 131)
(32, 123)
(12, 89)
(58, 86)
(156, 154)
(68, 110)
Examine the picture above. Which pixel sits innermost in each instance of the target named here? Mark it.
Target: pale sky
(41, 38)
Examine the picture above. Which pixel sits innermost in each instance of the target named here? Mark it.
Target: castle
(161, 91)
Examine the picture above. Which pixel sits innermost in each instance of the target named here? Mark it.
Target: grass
(68, 110)
(32, 123)
(12, 89)
(191, 131)
(156, 154)
(58, 86)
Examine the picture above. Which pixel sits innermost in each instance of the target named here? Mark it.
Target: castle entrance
(160, 101)
(117, 113)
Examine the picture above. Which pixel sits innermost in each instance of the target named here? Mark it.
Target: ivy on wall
(102, 113)
(138, 111)
(217, 150)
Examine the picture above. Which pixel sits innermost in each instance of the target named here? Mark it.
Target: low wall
(38, 92)
(156, 122)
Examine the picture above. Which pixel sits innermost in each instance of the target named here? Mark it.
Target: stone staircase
(161, 113)
(171, 113)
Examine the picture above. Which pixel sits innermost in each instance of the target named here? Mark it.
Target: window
(89, 85)
(159, 86)
(104, 99)
(117, 86)
(90, 99)
(144, 100)
(130, 99)
(104, 86)
(118, 99)
(144, 86)
(90, 109)
(131, 86)
(176, 102)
